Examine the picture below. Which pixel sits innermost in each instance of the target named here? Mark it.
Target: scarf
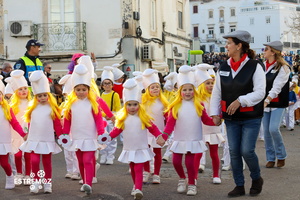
(269, 64)
(236, 65)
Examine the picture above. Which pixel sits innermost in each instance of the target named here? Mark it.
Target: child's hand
(160, 141)
(217, 120)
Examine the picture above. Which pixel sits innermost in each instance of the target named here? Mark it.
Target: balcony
(210, 37)
(61, 37)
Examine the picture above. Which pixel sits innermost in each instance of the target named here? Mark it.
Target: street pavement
(114, 181)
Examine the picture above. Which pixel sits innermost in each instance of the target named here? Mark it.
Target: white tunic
(188, 131)
(41, 137)
(135, 143)
(156, 112)
(5, 132)
(17, 140)
(83, 128)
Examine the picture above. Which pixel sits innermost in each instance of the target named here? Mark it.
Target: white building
(138, 34)
(266, 20)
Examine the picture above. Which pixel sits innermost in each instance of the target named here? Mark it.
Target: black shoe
(256, 187)
(237, 191)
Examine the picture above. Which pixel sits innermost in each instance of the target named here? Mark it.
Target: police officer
(30, 61)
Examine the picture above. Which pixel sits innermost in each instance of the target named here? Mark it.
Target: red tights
(18, 162)
(137, 174)
(189, 163)
(157, 162)
(86, 163)
(47, 164)
(5, 165)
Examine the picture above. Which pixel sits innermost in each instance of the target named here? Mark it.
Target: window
(251, 21)
(210, 31)
(232, 28)
(222, 29)
(195, 9)
(180, 15)
(252, 40)
(221, 15)
(232, 12)
(62, 11)
(210, 14)
(268, 38)
(153, 15)
(268, 20)
(196, 34)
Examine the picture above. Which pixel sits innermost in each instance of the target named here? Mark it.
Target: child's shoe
(109, 161)
(192, 190)
(226, 168)
(18, 179)
(48, 188)
(87, 189)
(75, 176)
(146, 176)
(133, 191)
(35, 187)
(216, 180)
(10, 182)
(138, 194)
(181, 187)
(155, 179)
(81, 189)
(201, 168)
(68, 175)
(103, 159)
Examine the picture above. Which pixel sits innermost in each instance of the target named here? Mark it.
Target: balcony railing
(210, 37)
(61, 37)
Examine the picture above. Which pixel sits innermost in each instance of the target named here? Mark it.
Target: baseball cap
(275, 44)
(244, 36)
(33, 42)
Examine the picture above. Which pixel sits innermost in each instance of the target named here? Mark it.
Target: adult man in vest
(30, 61)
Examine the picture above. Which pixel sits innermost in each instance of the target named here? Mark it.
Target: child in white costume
(212, 135)
(43, 115)
(19, 102)
(185, 116)
(83, 118)
(134, 121)
(155, 103)
(7, 120)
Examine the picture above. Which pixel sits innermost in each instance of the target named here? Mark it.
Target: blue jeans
(242, 136)
(273, 138)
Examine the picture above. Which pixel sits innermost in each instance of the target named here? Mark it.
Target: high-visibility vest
(30, 66)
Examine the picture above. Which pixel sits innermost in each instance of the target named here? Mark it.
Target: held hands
(64, 140)
(233, 107)
(217, 120)
(160, 141)
(104, 138)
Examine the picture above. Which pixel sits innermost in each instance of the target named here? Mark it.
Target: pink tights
(157, 162)
(18, 161)
(189, 163)
(137, 174)
(5, 165)
(47, 164)
(86, 163)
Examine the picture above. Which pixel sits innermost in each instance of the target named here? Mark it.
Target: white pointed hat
(117, 72)
(201, 73)
(87, 62)
(295, 79)
(107, 74)
(66, 81)
(39, 82)
(18, 79)
(138, 76)
(170, 79)
(2, 86)
(211, 72)
(8, 89)
(131, 91)
(186, 75)
(150, 76)
(81, 75)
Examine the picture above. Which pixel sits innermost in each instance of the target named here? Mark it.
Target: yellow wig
(15, 101)
(204, 94)
(122, 115)
(72, 98)
(148, 100)
(5, 108)
(176, 104)
(55, 113)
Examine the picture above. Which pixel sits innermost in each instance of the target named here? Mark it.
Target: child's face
(81, 91)
(23, 92)
(42, 98)
(209, 84)
(187, 92)
(132, 107)
(107, 85)
(154, 89)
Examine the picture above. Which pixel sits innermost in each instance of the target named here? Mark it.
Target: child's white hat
(138, 76)
(2, 86)
(131, 91)
(295, 79)
(81, 75)
(211, 72)
(87, 62)
(66, 81)
(18, 79)
(201, 73)
(291, 83)
(117, 72)
(170, 79)
(150, 76)
(107, 74)
(186, 75)
(8, 89)
(39, 82)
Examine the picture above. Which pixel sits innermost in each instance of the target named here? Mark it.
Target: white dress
(5, 139)
(83, 128)
(135, 143)
(41, 137)
(188, 131)
(156, 112)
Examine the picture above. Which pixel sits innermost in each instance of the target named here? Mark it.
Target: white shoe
(226, 168)
(146, 176)
(133, 191)
(216, 180)
(19, 179)
(109, 162)
(95, 180)
(201, 168)
(192, 190)
(181, 187)
(155, 179)
(81, 189)
(27, 180)
(75, 176)
(48, 188)
(102, 160)
(165, 159)
(10, 182)
(68, 175)
(35, 187)
(87, 189)
(138, 195)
